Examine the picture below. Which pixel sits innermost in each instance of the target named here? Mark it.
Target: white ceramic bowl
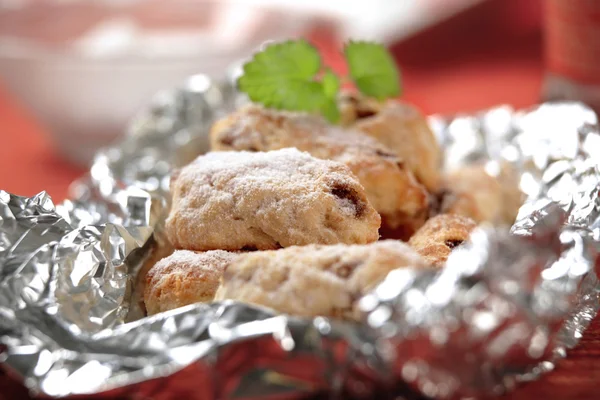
(85, 67)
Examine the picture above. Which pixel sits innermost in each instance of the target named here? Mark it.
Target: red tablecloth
(490, 55)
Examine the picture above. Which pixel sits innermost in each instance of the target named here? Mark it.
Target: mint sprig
(290, 76)
(372, 69)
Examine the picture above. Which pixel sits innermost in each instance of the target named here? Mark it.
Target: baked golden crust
(160, 249)
(400, 127)
(440, 235)
(390, 186)
(473, 192)
(244, 200)
(512, 195)
(185, 277)
(314, 280)
(459, 203)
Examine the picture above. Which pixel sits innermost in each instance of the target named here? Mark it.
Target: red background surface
(489, 55)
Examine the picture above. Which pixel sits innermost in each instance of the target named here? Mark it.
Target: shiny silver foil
(505, 308)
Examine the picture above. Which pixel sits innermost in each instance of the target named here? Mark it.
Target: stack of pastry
(286, 209)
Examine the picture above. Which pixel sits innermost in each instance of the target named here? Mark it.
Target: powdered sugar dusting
(266, 200)
(315, 279)
(185, 261)
(184, 278)
(301, 129)
(262, 165)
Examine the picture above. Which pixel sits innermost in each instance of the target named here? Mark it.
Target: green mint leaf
(282, 77)
(331, 84)
(372, 69)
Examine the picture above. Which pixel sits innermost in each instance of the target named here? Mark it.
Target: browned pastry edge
(159, 249)
(184, 277)
(402, 128)
(472, 192)
(440, 236)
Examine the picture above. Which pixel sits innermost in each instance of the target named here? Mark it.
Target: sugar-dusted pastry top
(314, 280)
(267, 200)
(440, 235)
(389, 183)
(185, 277)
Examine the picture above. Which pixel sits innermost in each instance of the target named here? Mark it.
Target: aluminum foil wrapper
(504, 309)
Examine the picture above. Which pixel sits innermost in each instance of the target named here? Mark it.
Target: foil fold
(504, 309)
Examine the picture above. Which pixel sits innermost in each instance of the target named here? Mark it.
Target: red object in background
(28, 163)
(573, 39)
(572, 51)
(491, 54)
